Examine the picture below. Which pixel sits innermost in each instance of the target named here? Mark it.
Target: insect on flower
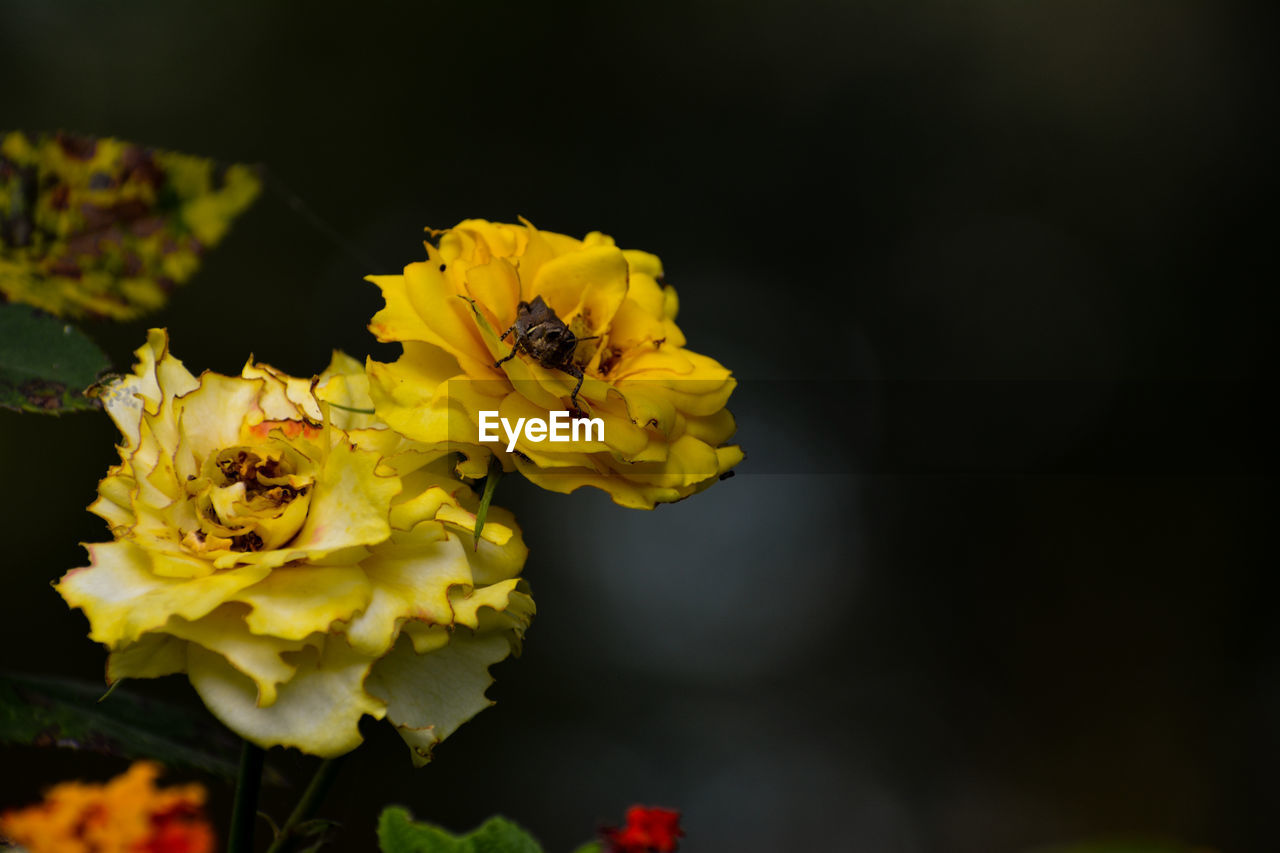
(544, 336)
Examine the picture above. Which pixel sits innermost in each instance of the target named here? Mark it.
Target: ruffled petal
(428, 696)
(295, 601)
(410, 577)
(318, 710)
(153, 656)
(349, 508)
(591, 283)
(123, 599)
(260, 658)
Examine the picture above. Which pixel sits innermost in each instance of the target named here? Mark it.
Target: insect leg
(574, 370)
(515, 349)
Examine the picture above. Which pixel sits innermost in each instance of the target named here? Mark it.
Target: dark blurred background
(990, 274)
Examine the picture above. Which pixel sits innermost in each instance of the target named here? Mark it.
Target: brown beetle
(545, 337)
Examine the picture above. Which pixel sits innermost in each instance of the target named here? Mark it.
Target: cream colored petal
(317, 711)
(260, 658)
(410, 577)
(169, 559)
(405, 515)
(124, 599)
(462, 521)
(283, 397)
(114, 503)
(429, 696)
(211, 416)
(467, 602)
(494, 560)
(157, 375)
(295, 601)
(348, 507)
(345, 384)
(426, 638)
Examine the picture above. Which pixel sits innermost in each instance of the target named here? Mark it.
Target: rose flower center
(249, 499)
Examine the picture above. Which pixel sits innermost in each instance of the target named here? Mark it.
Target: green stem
(490, 484)
(309, 804)
(245, 811)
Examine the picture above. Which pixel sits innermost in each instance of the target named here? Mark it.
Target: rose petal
(317, 711)
(428, 696)
(124, 599)
(295, 601)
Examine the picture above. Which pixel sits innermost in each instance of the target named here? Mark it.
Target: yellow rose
(302, 564)
(661, 406)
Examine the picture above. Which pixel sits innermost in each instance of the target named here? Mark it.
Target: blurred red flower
(648, 830)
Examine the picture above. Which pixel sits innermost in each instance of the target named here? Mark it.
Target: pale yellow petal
(428, 696)
(123, 599)
(349, 506)
(410, 577)
(295, 601)
(260, 658)
(152, 656)
(317, 711)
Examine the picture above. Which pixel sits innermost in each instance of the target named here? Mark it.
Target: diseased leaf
(398, 833)
(44, 711)
(45, 364)
(102, 227)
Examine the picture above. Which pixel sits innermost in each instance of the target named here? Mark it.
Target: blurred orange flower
(128, 814)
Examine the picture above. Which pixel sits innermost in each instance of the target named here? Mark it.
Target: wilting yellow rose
(662, 406)
(301, 563)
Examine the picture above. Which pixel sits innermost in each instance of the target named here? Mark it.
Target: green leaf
(44, 711)
(398, 833)
(499, 835)
(45, 364)
(590, 847)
